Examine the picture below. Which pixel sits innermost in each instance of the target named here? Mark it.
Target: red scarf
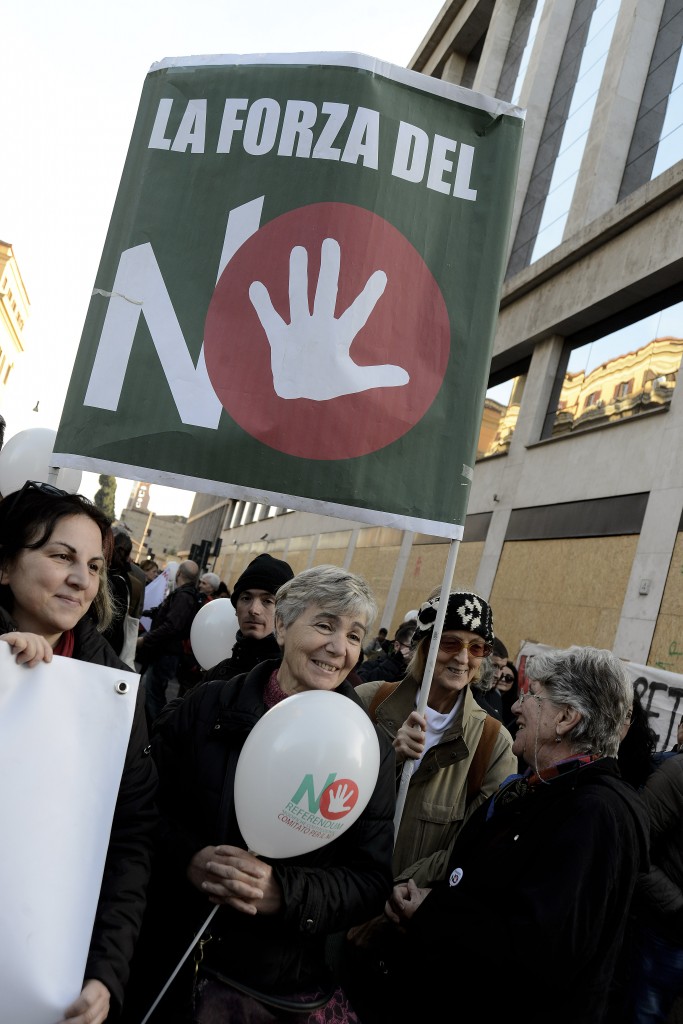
(272, 694)
(65, 644)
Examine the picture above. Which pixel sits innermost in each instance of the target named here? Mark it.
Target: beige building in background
(14, 311)
(574, 529)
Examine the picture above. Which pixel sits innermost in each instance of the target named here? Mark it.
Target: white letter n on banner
(139, 289)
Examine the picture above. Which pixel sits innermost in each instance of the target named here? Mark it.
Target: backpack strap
(482, 756)
(383, 691)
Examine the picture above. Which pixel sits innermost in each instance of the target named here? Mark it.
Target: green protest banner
(298, 290)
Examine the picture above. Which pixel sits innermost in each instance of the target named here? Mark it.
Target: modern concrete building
(575, 518)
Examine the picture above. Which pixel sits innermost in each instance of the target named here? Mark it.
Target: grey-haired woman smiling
(573, 837)
(275, 915)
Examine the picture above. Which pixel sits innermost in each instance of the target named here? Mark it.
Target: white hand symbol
(310, 357)
(338, 800)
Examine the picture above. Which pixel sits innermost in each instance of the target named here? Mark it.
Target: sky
(72, 76)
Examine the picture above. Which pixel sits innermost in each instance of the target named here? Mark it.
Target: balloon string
(180, 964)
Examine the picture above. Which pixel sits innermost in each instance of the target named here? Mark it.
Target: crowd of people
(539, 811)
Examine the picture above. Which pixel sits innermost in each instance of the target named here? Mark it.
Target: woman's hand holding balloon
(30, 648)
(410, 738)
(232, 876)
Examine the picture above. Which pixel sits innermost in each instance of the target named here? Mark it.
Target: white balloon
(69, 480)
(305, 773)
(28, 456)
(213, 632)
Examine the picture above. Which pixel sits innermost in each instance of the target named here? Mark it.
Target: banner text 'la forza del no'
(298, 291)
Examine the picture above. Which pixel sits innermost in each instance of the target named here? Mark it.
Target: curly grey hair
(593, 682)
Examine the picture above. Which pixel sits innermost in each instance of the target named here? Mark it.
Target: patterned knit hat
(468, 612)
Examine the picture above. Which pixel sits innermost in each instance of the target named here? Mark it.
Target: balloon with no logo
(26, 456)
(213, 633)
(305, 773)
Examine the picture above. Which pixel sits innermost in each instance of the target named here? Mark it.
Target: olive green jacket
(436, 802)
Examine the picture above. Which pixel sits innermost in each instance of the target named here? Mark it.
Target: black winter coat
(128, 862)
(171, 624)
(196, 746)
(388, 667)
(551, 872)
(247, 652)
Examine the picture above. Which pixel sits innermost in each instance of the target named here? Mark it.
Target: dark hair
(636, 750)
(27, 520)
(510, 696)
(122, 540)
(499, 648)
(404, 633)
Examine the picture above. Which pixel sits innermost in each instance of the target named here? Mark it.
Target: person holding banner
(267, 944)
(444, 742)
(54, 599)
(461, 753)
(551, 860)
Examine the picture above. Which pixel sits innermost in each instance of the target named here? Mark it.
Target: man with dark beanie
(253, 598)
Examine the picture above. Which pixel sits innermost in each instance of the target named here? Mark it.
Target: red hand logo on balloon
(338, 799)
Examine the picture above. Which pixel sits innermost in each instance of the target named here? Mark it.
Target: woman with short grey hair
(552, 859)
(268, 948)
(336, 590)
(593, 682)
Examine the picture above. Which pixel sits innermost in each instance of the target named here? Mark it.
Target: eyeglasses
(403, 648)
(523, 696)
(505, 678)
(475, 648)
(36, 485)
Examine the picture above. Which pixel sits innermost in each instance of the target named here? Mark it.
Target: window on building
(670, 144)
(501, 410)
(657, 140)
(519, 49)
(624, 389)
(575, 130)
(636, 365)
(247, 513)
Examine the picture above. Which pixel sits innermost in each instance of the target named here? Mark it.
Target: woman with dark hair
(636, 755)
(507, 686)
(54, 599)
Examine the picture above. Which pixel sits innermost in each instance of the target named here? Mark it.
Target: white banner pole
(428, 673)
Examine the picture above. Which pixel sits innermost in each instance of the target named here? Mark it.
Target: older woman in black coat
(267, 944)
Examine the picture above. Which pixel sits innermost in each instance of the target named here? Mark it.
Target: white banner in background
(660, 692)
(64, 731)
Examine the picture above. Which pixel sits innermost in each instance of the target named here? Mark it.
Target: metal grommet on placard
(122, 686)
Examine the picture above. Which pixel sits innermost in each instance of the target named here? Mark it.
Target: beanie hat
(263, 573)
(465, 611)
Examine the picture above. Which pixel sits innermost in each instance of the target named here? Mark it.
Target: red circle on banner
(407, 330)
(349, 798)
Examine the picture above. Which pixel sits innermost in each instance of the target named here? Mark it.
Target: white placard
(64, 731)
